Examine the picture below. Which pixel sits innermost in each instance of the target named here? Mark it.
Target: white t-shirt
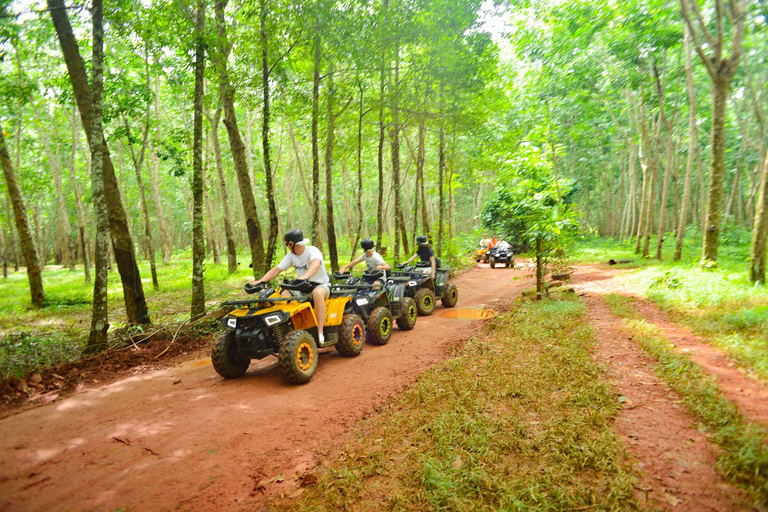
(373, 261)
(301, 264)
(503, 245)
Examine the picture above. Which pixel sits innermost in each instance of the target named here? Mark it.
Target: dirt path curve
(748, 393)
(677, 463)
(185, 439)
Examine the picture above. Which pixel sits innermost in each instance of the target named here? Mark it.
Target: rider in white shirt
(502, 244)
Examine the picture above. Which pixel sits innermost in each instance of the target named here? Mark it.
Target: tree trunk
(83, 236)
(166, 240)
(330, 222)
(420, 177)
(26, 238)
(228, 233)
(316, 239)
(539, 271)
(273, 222)
(716, 173)
(133, 291)
(395, 148)
(227, 93)
(441, 169)
(760, 231)
(359, 195)
(693, 143)
(97, 338)
(198, 233)
(380, 162)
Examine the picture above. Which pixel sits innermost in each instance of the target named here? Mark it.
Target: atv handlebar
(340, 275)
(250, 288)
(299, 285)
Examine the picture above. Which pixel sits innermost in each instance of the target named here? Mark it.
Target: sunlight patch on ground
(474, 313)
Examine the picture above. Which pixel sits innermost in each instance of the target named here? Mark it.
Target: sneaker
(321, 339)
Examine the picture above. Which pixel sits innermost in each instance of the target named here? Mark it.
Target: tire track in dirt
(750, 394)
(676, 462)
(184, 438)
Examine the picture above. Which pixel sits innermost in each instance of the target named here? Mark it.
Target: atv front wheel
(298, 357)
(451, 296)
(226, 358)
(492, 261)
(351, 336)
(407, 320)
(425, 301)
(380, 326)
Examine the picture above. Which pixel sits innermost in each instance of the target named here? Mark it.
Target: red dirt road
(184, 438)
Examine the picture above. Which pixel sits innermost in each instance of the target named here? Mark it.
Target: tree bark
(330, 221)
(273, 221)
(228, 232)
(380, 162)
(420, 177)
(166, 240)
(227, 92)
(26, 238)
(133, 291)
(97, 337)
(441, 169)
(693, 143)
(81, 226)
(315, 150)
(198, 234)
(760, 231)
(359, 195)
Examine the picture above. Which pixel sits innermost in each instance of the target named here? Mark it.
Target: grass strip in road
(519, 419)
(745, 445)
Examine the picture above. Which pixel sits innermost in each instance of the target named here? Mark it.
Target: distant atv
(481, 254)
(379, 305)
(498, 256)
(286, 327)
(425, 290)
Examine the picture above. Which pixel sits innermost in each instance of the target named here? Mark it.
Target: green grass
(520, 419)
(719, 304)
(745, 445)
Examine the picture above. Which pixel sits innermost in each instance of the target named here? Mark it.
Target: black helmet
(294, 235)
(366, 244)
(421, 240)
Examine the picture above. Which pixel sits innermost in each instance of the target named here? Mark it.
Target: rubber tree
(198, 234)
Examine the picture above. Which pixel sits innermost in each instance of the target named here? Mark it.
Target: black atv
(498, 256)
(378, 304)
(273, 324)
(425, 290)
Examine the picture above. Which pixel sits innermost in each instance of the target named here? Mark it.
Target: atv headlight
(361, 302)
(271, 320)
(411, 283)
(232, 322)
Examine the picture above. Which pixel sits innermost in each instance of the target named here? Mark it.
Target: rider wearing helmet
(309, 264)
(425, 252)
(372, 259)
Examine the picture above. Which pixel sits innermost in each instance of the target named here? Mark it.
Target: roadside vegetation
(744, 458)
(718, 303)
(519, 419)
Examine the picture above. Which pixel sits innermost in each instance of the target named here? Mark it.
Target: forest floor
(590, 401)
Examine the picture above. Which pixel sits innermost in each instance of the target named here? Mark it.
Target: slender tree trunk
(198, 234)
(760, 230)
(395, 148)
(380, 161)
(97, 338)
(330, 222)
(227, 93)
(420, 177)
(273, 222)
(441, 170)
(228, 232)
(693, 143)
(315, 150)
(133, 291)
(26, 238)
(539, 270)
(83, 236)
(360, 189)
(716, 173)
(166, 240)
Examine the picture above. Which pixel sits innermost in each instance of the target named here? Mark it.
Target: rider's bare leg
(319, 294)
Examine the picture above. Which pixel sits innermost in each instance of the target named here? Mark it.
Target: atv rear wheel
(407, 320)
(451, 296)
(380, 326)
(492, 261)
(226, 359)
(298, 357)
(351, 336)
(425, 301)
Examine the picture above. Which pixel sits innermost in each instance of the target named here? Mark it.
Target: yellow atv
(286, 327)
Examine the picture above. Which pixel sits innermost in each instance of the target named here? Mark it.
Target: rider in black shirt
(425, 252)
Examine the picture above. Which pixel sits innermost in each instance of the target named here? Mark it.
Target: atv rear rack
(298, 298)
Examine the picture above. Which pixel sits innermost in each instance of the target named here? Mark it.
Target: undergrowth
(745, 445)
(518, 420)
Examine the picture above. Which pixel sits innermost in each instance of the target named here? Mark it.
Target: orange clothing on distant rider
(492, 244)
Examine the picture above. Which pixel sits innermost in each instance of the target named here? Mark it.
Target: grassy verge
(518, 420)
(745, 446)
